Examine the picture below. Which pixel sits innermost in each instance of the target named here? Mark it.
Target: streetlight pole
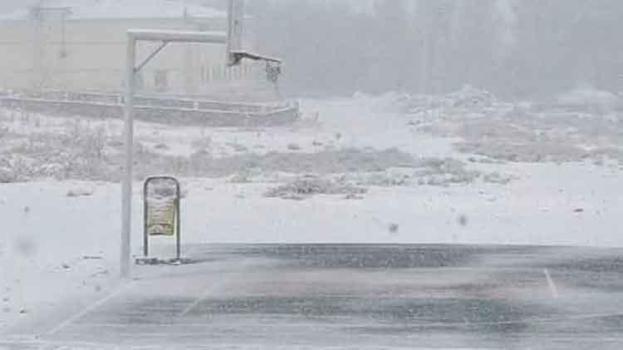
(126, 190)
(131, 70)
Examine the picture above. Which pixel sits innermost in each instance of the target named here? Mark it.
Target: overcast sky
(8, 5)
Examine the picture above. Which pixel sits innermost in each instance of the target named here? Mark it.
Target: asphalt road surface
(353, 297)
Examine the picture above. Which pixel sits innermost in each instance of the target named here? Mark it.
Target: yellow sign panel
(161, 217)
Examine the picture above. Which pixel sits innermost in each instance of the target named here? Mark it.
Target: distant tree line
(515, 48)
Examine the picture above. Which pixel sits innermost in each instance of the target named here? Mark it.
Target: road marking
(88, 309)
(201, 298)
(550, 283)
(206, 292)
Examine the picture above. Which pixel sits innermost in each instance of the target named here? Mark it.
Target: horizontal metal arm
(178, 36)
(237, 56)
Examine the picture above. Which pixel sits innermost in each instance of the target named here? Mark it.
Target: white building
(79, 45)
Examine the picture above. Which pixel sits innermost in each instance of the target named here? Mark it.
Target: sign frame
(178, 221)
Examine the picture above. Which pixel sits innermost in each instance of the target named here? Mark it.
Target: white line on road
(88, 309)
(201, 298)
(550, 283)
(206, 292)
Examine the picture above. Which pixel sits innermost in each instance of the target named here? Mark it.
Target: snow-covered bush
(308, 186)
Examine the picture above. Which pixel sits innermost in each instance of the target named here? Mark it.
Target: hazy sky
(8, 5)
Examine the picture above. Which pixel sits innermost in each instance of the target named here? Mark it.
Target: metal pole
(126, 189)
(230, 34)
(178, 222)
(38, 50)
(145, 219)
(234, 28)
(130, 85)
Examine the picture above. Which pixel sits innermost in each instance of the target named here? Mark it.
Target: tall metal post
(235, 15)
(126, 188)
(134, 36)
(37, 48)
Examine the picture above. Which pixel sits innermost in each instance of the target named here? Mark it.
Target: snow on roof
(117, 9)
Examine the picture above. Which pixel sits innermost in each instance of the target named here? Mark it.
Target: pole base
(159, 261)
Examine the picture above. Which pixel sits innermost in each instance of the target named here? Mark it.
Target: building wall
(90, 55)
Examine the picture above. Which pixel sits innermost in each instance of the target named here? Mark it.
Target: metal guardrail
(158, 114)
(197, 102)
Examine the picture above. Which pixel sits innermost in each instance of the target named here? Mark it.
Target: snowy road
(352, 296)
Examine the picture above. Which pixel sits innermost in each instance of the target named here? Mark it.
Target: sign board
(161, 209)
(161, 198)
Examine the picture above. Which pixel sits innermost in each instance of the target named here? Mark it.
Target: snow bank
(467, 98)
(589, 98)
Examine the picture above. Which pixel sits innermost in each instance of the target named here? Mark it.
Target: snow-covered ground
(353, 170)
